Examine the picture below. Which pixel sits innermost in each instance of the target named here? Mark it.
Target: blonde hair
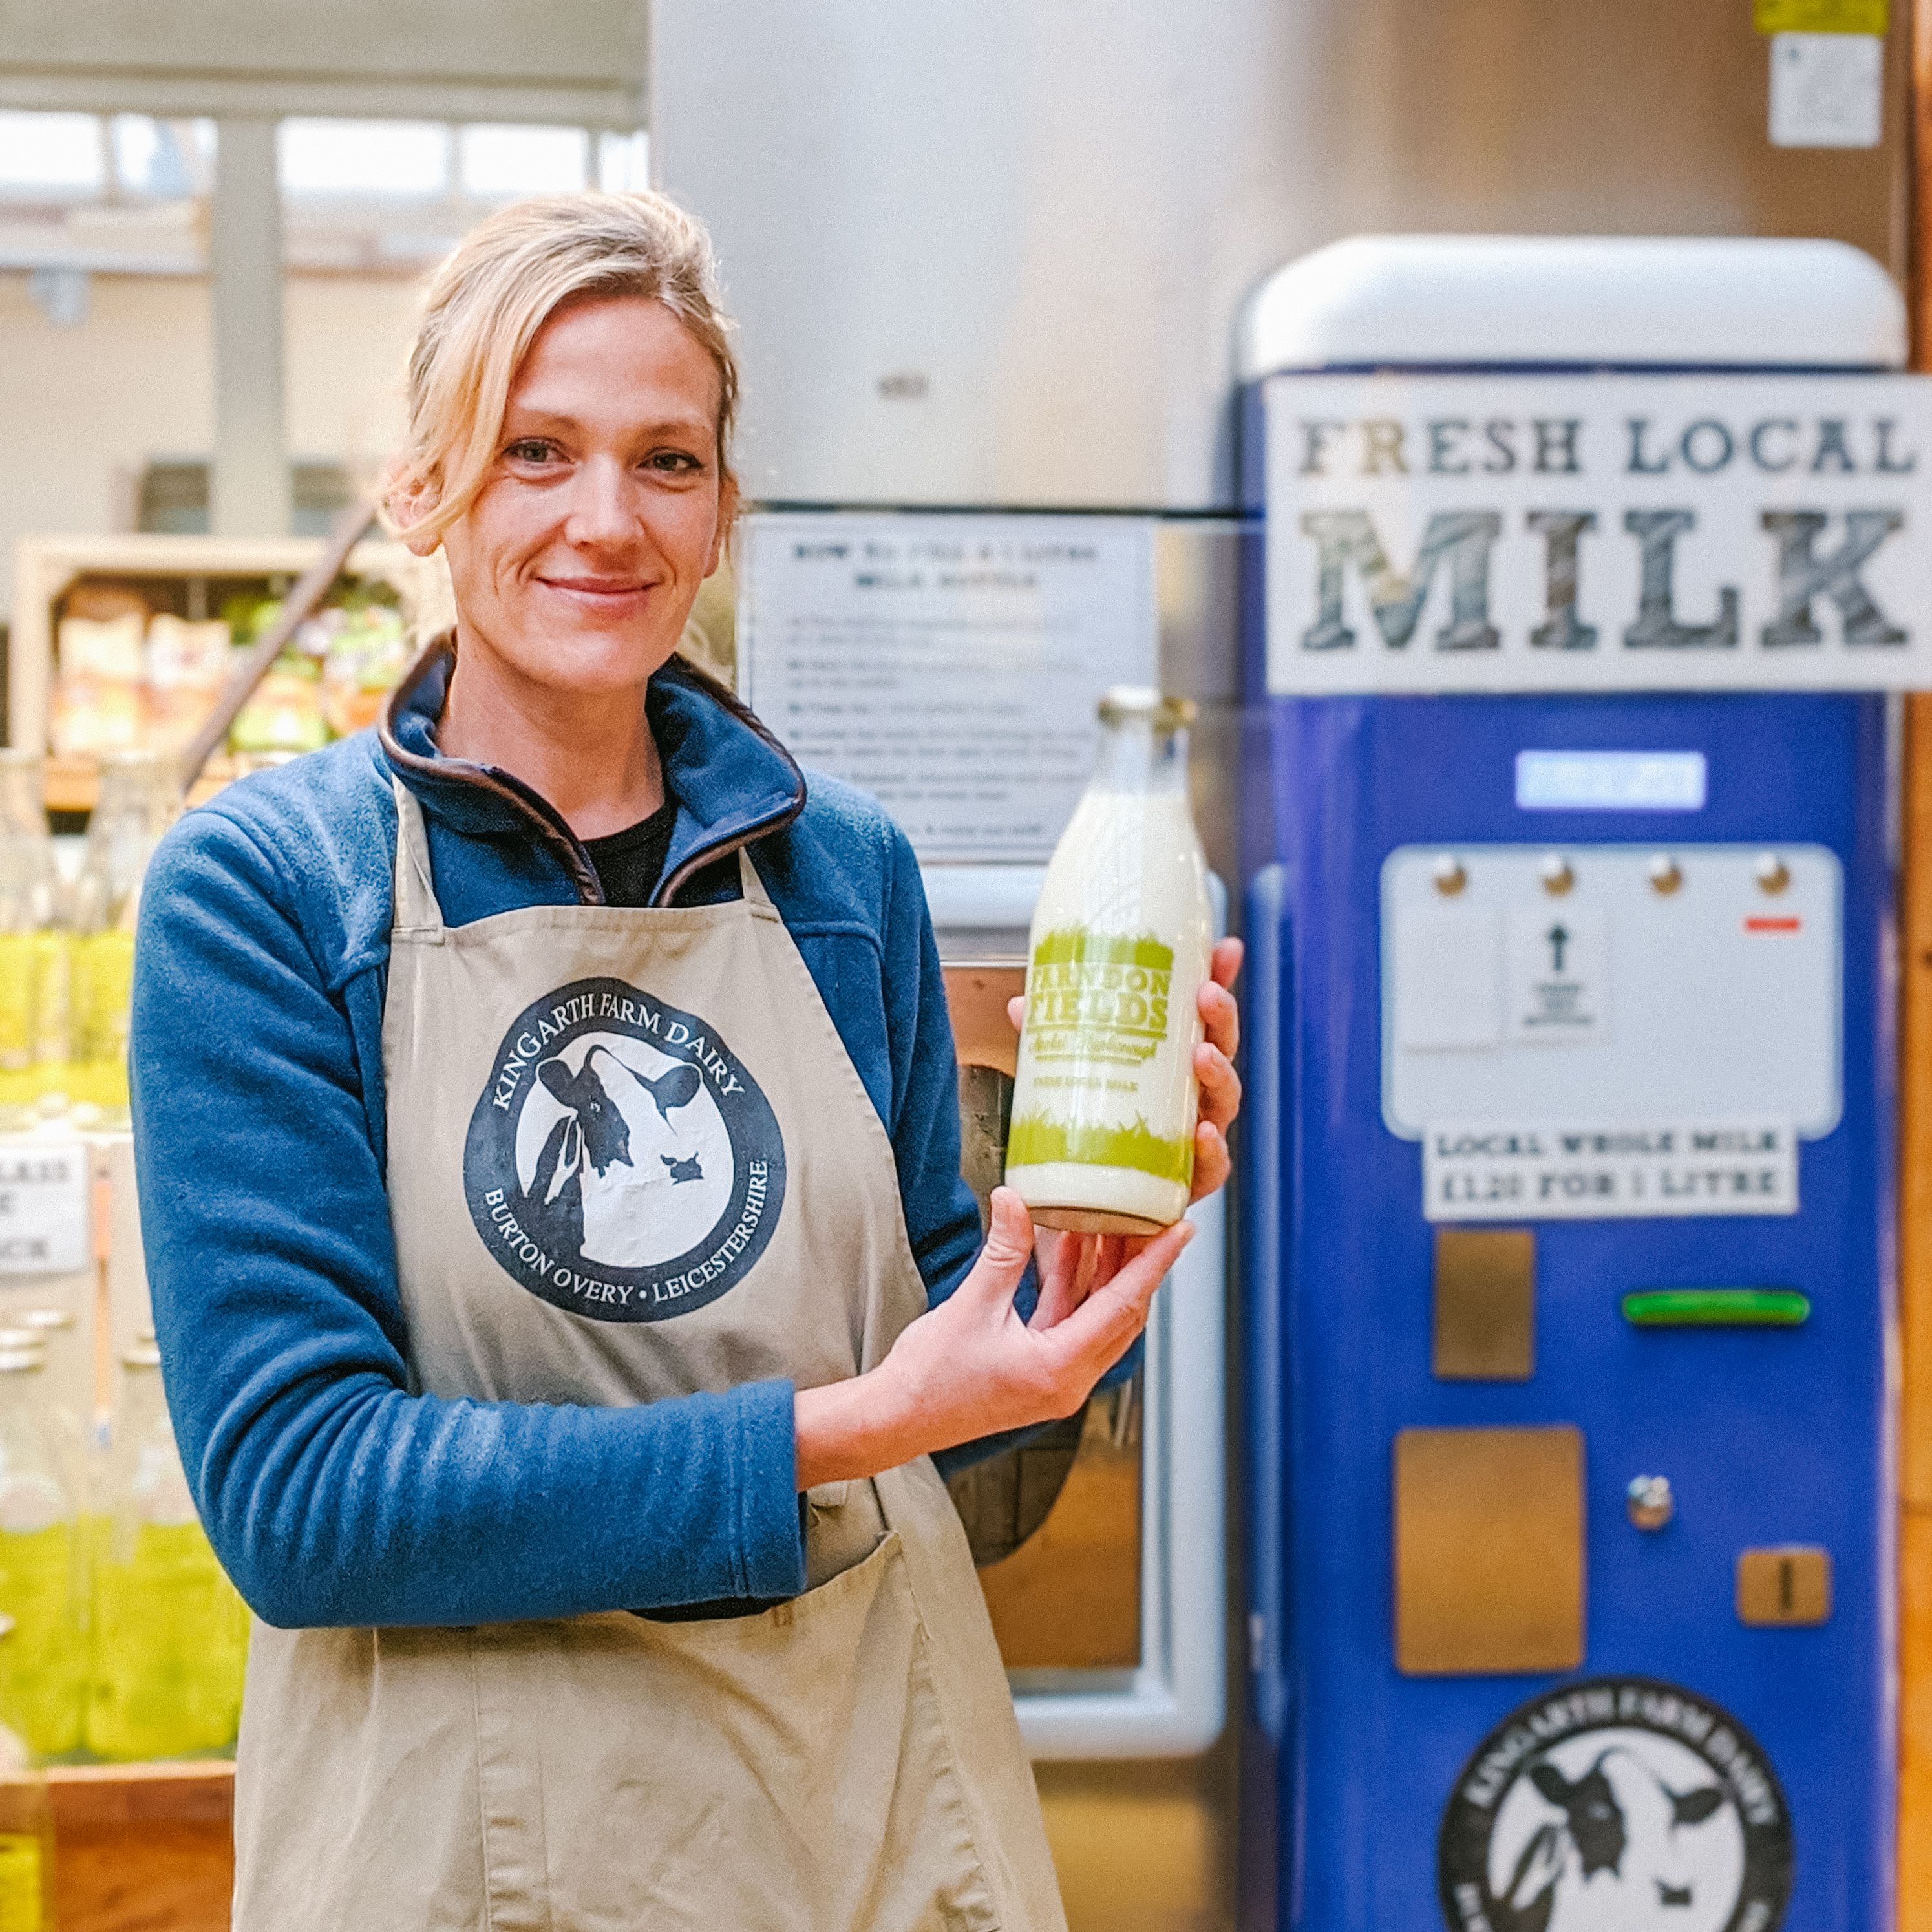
(497, 288)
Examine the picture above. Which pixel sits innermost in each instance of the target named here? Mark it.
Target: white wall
(84, 408)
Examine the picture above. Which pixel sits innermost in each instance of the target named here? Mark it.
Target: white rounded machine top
(1601, 301)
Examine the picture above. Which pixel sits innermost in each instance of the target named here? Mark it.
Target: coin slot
(1790, 1586)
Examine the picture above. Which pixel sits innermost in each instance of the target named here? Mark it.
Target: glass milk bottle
(40, 1672)
(1104, 1101)
(139, 798)
(33, 949)
(169, 1629)
(26, 1823)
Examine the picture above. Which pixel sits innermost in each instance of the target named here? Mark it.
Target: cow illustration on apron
(630, 1160)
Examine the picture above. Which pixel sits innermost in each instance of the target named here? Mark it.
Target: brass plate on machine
(1787, 1586)
(1485, 1305)
(1489, 1550)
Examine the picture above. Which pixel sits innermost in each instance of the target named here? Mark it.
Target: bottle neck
(1134, 756)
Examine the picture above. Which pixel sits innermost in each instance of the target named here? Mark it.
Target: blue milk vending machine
(1587, 566)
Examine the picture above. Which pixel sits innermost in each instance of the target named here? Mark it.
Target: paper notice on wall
(949, 665)
(1545, 1170)
(1827, 90)
(45, 1189)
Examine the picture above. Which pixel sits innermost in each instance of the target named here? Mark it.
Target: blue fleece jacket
(333, 1492)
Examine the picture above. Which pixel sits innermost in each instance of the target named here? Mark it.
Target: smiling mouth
(594, 587)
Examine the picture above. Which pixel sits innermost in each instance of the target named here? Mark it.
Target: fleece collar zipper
(546, 820)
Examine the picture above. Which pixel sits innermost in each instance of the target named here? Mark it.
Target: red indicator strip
(1773, 925)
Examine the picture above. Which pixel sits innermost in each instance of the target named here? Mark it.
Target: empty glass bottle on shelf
(169, 1629)
(41, 1664)
(139, 798)
(33, 945)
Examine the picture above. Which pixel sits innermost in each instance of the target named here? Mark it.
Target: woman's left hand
(1213, 1066)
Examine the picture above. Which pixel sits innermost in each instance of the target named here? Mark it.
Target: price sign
(43, 1203)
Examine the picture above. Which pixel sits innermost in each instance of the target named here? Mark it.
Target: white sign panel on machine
(1598, 533)
(1610, 1029)
(949, 665)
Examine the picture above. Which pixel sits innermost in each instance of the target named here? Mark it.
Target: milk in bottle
(1105, 1098)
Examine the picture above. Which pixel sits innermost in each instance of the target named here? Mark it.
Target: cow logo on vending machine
(1616, 1804)
(621, 1161)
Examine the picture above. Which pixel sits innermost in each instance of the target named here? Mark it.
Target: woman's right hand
(971, 1367)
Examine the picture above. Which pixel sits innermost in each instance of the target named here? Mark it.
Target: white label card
(45, 1189)
(1558, 963)
(949, 665)
(1556, 1170)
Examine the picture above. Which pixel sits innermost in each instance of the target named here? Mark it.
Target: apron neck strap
(417, 908)
(750, 884)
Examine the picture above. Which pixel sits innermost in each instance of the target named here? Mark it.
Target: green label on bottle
(1098, 998)
(1036, 1140)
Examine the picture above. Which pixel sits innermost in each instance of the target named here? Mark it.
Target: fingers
(1220, 1086)
(1016, 1010)
(1220, 1015)
(1065, 1277)
(1096, 1334)
(1224, 963)
(1213, 1163)
(1009, 1247)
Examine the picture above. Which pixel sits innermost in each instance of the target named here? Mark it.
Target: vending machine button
(1773, 875)
(1448, 875)
(1489, 1550)
(1485, 1305)
(1716, 1308)
(1664, 875)
(1648, 1502)
(1791, 1585)
(1556, 874)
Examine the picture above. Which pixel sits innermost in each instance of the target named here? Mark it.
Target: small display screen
(1610, 781)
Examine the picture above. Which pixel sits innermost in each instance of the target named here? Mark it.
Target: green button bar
(1716, 1308)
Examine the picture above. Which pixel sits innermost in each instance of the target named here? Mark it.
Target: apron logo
(1617, 1802)
(621, 1163)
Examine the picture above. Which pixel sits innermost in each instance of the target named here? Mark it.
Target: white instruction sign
(45, 1189)
(1548, 1170)
(949, 665)
(1557, 962)
(1598, 533)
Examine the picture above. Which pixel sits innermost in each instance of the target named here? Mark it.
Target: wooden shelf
(44, 568)
(73, 783)
(199, 1791)
(143, 1847)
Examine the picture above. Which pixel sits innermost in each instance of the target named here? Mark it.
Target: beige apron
(630, 1159)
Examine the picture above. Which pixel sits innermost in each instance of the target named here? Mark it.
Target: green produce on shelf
(33, 946)
(42, 1661)
(139, 799)
(26, 1827)
(169, 1630)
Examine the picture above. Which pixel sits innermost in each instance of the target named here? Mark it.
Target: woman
(546, 1121)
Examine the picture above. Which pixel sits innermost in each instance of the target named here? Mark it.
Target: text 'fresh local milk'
(1594, 531)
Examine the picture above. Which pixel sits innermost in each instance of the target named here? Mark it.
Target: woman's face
(576, 566)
